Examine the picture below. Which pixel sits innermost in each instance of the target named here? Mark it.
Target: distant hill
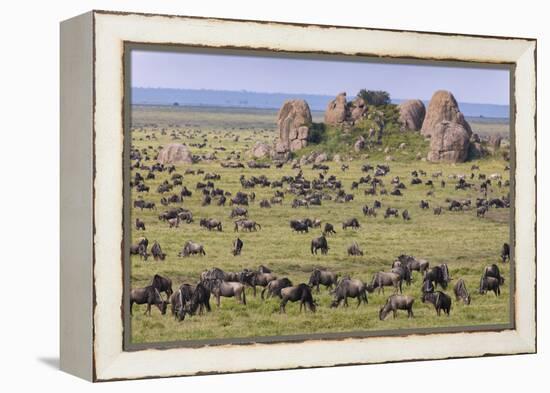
(250, 99)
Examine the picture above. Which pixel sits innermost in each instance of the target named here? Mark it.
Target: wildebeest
(397, 302)
(489, 284)
(140, 224)
(237, 246)
(322, 277)
(481, 211)
(180, 299)
(440, 300)
(461, 292)
(354, 250)
(420, 265)
(319, 243)
(248, 225)
(493, 271)
(390, 211)
(191, 248)
(301, 293)
(253, 279)
(239, 212)
(329, 229)
(148, 295)
(200, 299)
(351, 223)
(386, 279)
(274, 287)
(265, 204)
(299, 226)
(438, 210)
(405, 215)
(162, 284)
(424, 204)
(348, 287)
(221, 288)
(404, 271)
(439, 275)
(156, 250)
(173, 222)
(505, 252)
(211, 223)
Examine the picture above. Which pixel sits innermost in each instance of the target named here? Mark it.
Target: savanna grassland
(460, 239)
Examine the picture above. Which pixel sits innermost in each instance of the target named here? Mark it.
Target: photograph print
(279, 197)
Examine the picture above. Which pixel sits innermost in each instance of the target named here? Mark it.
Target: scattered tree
(375, 97)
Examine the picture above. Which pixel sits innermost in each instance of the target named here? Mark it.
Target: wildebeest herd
(214, 230)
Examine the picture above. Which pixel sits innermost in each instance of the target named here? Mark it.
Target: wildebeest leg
(254, 290)
(318, 290)
(218, 299)
(410, 313)
(131, 306)
(346, 301)
(148, 310)
(282, 306)
(394, 313)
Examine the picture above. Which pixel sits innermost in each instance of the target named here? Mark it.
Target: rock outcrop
(449, 142)
(260, 150)
(411, 115)
(175, 153)
(494, 141)
(293, 122)
(340, 112)
(443, 107)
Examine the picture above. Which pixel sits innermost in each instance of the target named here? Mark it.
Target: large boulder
(293, 121)
(443, 107)
(339, 111)
(336, 110)
(449, 142)
(411, 114)
(260, 150)
(175, 153)
(494, 141)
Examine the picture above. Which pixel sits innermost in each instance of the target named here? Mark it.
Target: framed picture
(249, 195)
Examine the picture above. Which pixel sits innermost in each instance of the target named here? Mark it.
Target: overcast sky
(312, 76)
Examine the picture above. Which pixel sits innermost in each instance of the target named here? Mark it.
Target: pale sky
(313, 76)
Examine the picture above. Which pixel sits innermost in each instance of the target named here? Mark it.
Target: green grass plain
(460, 239)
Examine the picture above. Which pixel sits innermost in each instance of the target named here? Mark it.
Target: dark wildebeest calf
(440, 300)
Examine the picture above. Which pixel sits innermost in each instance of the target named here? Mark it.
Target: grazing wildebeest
(405, 215)
(329, 229)
(351, 223)
(404, 271)
(162, 284)
(252, 279)
(439, 275)
(140, 224)
(489, 284)
(348, 287)
(505, 252)
(319, 243)
(438, 210)
(214, 274)
(299, 226)
(191, 248)
(390, 211)
(148, 295)
(301, 293)
(397, 302)
(274, 287)
(427, 286)
(385, 279)
(420, 265)
(248, 225)
(354, 250)
(173, 222)
(481, 211)
(265, 204)
(156, 250)
(180, 299)
(211, 223)
(461, 292)
(493, 271)
(424, 204)
(322, 277)
(237, 246)
(440, 300)
(139, 249)
(239, 212)
(221, 288)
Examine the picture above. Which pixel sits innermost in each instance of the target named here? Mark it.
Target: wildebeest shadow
(52, 362)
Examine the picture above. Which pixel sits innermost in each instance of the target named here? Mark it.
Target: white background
(29, 180)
